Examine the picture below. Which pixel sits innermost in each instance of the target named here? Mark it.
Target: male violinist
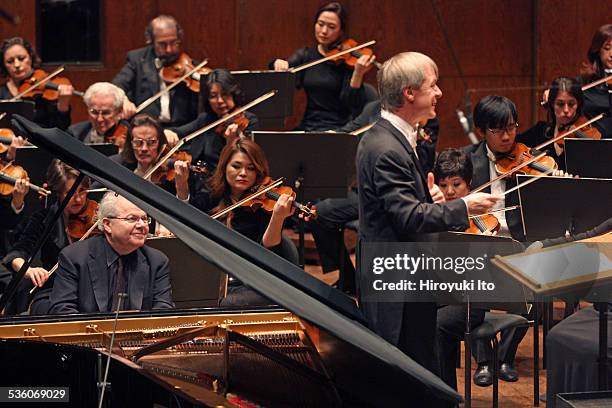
(141, 76)
(398, 201)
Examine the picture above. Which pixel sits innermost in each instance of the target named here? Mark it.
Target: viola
(487, 223)
(180, 67)
(241, 120)
(78, 224)
(166, 172)
(9, 176)
(520, 154)
(587, 132)
(350, 58)
(48, 90)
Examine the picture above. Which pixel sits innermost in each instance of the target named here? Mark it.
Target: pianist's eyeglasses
(133, 219)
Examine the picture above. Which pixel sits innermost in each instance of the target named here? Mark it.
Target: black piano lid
(279, 280)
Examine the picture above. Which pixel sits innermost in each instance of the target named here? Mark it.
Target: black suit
(395, 205)
(139, 78)
(481, 175)
(82, 279)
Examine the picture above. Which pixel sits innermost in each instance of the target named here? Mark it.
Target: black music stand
(36, 162)
(317, 164)
(186, 267)
(551, 206)
(588, 157)
(271, 113)
(23, 108)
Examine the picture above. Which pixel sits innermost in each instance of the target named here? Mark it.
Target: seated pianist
(93, 273)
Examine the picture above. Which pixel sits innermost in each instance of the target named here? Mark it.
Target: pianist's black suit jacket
(81, 282)
(395, 205)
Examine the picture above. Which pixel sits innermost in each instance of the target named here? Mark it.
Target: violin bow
(237, 204)
(56, 266)
(330, 57)
(169, 87)
(569, 132)
(595, 83)
(37, 84)
(362, 129)
(492, 212)
(501, 176)
(213, 125)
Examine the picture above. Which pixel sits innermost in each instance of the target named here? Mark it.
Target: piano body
(313, 350)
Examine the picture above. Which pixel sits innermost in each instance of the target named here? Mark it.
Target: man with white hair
(93, 274)
(398, 201)
(104, 103)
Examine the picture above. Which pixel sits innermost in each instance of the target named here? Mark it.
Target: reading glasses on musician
(510, 129)
(141, 142)
(105, 113)
(133, 219)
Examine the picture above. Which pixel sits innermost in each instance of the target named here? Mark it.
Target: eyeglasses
(510, 129)
(133, 219)
(105, 113)
(140, 142)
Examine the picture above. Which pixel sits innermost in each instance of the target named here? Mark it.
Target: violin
(350, 58)
(6, 138)
(587, 132)
(520, 154)
(119, 135)
(78, 224)
(48, 90)
(241, 120)
(266, 199)
(178, 68)
(166, 172)
(9, 176)
(487, 223)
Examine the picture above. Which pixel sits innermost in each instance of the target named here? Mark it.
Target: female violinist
(599, 65)
(334, 91)
(564, 106)
(19, 59)
(242, 166)
(76, 217)
(221, 95)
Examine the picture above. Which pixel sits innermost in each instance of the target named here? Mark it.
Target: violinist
(242, 166)
(221, 95)
(334, 91)
(67, 229)
(599, 65)
(19, 59)
(145, 143)
(140, 77)
(104, 103)
(564, 106)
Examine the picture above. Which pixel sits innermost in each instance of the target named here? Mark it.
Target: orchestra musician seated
(242, 167)
(221, 96)
(94, 273)
(104, 103)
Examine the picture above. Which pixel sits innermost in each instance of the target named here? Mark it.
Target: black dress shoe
(508, 373)
(482, 376)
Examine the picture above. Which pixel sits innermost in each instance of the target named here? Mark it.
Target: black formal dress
(87, 275)
(331, 102)
(395, 206)
(45, 111)
(140, 79)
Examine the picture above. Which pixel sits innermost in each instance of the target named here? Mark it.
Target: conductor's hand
(434, 190)
(480, 203)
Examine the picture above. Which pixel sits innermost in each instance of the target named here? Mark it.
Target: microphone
(465, 124)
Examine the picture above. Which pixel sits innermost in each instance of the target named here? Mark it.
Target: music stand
(271, 113)
(36, 162)
(23, 108)
(317, 164)
(589, 157)
(186, 267)
(553, 205)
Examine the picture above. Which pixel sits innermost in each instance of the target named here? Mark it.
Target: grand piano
(312, 350)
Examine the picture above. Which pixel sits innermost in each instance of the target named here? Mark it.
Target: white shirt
(409, 132)
(498, 188)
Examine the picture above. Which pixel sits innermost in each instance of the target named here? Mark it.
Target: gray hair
(107, 207)
(404, 70)
(105, 88)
